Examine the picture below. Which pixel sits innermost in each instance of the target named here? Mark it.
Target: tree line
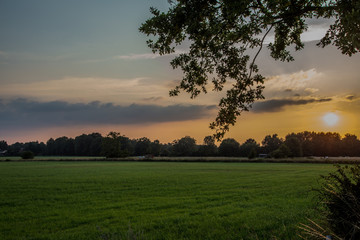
(115, 145)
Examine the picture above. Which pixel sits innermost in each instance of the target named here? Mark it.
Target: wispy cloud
(27, 114)
(317, 28)
(294, 81)
(351, 97)
(134, 56)
(86, 89)
(137, 56)
(152, 99)
(147, 55)
(311, 90)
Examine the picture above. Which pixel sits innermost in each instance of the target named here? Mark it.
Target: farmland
(156, 200)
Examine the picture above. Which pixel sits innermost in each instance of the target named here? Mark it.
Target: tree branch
(262, 42)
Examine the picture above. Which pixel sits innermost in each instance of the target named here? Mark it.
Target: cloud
(137, 56)
(134, 56)
(350, 97)
(325, 22)
(152, 99)
(26, 114)
(142, 56)
(311, 90)
(317, 28)
(276, 105)
(295, 81)
(301, 82)
(75, 89)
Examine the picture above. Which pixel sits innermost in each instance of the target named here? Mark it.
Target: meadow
(156, 200)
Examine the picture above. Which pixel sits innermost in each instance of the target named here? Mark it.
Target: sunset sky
(71, 67)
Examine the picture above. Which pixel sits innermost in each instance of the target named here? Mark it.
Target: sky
(71, 67)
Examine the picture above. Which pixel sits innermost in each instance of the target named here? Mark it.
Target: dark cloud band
(276, 105)
(24, 114)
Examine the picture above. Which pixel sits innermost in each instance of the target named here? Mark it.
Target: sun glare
(330, 119)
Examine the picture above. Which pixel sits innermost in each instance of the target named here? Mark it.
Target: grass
(327, 160)
(50, 158)
(109, 200)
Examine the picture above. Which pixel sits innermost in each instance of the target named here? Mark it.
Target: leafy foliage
(340, 197)
(220, 33)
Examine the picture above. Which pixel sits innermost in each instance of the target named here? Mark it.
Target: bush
(27, 155)
(340, 197)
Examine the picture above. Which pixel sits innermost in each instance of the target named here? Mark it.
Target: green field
(120, 200)
(50, 158)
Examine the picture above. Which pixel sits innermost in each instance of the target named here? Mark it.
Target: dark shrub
(341, 196)
(27, 155)
(340, 199)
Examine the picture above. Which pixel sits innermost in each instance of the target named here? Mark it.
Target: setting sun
(330, 119)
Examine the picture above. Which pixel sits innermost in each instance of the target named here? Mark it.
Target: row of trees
(116, 145)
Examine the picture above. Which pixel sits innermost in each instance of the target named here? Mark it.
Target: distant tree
(282, 152)
(294, 144)
(208, 148)
(326, 144)
(50, 147)
(64, 146)
(35, 147)
(350, 145)
(88, 144)
(229, 147)
(142, 146)
(3, 145)
(249, 147)
(115, 145)
(185, 146)
(15, 149)
(166, 150)
(319, 144)
(306, 142)
(220, 34)
(155, 148)
(271, 143)
(333, 144)
(95, 145)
